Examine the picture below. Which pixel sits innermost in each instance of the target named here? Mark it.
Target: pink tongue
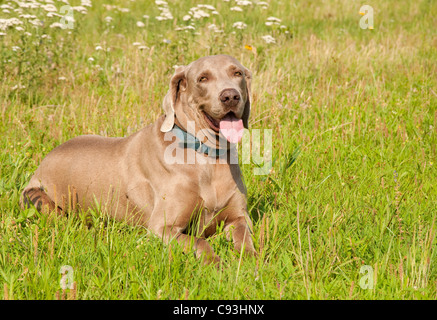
(232, 128)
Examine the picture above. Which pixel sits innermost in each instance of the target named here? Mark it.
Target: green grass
(354, 120)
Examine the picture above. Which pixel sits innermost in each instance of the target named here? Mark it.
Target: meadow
(348, 209)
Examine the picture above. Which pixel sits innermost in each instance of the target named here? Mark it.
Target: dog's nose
(230, 97)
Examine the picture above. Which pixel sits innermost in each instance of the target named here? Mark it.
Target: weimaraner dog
(133, 178)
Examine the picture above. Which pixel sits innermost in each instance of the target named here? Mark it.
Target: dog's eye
(238, 74)
(203, 79)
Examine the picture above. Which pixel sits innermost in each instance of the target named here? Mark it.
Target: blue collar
(190, 141)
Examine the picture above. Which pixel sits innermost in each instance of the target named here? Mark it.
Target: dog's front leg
(169, 232)
(240, 232)
(200, 246)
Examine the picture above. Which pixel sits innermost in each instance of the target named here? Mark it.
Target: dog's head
(213, 93)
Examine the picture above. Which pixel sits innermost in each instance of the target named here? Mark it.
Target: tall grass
(354, 122)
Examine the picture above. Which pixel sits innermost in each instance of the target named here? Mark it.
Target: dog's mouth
(213, 123)
(229, 126)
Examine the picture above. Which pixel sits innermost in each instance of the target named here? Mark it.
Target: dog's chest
(216, 189)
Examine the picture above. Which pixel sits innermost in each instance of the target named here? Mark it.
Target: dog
(208, 103)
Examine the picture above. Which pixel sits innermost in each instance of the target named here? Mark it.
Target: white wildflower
(80, 9)
(90, 59)
(206, 6)
(186, 17)
(15, 21)
(49, 7)
(19, 28)
(140, 24)
(6, 11)
(2, 33)
(236, 9)
(29, 5)
(165, 14)
(18, 86)
(214, 28)
(54, 14)
(98, 48)
(6, 23)
(15, 48)
(108, 19)
(199, 14)
(69, 19)
(6, 6)
(143, 47)
(262, 3)
(62, 78)
(273, 19)
(185, 28)
(268, 39)
(161, 3)
(27, 16)
(239, 25)
(146, 16)
(28, 34)
(36, 22)
(86, 3)
(56, 25)
(136, 43)
(244, 3)
(124, 10)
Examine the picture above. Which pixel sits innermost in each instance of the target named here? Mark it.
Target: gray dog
(131, 177)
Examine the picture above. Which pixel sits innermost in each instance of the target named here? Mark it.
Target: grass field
(353, 114)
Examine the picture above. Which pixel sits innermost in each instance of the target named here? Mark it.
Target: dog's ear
(177, 84)
(246, 112)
